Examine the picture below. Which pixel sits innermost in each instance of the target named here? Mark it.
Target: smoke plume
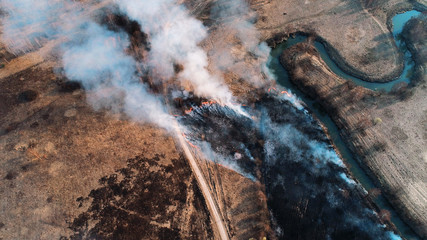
(248, 56)
(100, 63)
(309, 191)
(302, 172)
(174, 38)
(27, 21)
(91, 54)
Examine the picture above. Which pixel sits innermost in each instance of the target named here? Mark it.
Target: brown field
(385, 133)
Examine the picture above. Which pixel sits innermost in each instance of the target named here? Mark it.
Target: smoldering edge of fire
(179, 31)
(96, 56)
(298, 165)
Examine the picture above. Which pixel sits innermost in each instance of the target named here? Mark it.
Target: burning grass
(279, 145)
(308, 191)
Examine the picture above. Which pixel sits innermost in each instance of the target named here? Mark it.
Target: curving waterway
(398, 22)
(283, 79)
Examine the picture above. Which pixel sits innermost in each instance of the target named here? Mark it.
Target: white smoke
(292, 98)
(393, 236)
(100, 63)
(105, 70)
(299, 144)
(235, 16)
(348, 180)
(91, 54)
(225, 161)
(96, 57)
(174, 38)
(316, 155)
(26, 22)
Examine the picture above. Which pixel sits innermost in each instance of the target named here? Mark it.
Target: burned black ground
(135, 203)
(307, 195)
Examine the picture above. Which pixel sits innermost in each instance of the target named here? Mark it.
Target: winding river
(283, 79)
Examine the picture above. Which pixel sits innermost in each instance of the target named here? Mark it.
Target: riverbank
(63, 164)
(414, 34)
(363, 46)
(69, 170)
(389, 157)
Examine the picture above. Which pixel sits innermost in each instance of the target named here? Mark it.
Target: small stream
(283, 79)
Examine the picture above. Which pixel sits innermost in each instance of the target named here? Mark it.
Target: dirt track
(391, 149)
(57, 149)
(212, 205)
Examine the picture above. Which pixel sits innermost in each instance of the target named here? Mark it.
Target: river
(283, 79)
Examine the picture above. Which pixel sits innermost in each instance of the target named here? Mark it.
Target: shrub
(377, 121)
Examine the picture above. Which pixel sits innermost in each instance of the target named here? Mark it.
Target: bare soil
(357, 33)
(69, 171)
(59, 168)
(385, 133)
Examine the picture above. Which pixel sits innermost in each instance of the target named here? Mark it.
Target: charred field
(285, 148)
(91, 151)
(120, 208)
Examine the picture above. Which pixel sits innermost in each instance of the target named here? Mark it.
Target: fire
(208, 103)
(289, 95)
(189, 143)
(189, 110)
(272, 88)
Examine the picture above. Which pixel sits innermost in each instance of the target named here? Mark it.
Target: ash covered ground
(309, 193)
(132, 63)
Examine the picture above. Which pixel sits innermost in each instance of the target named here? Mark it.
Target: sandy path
(203, 186)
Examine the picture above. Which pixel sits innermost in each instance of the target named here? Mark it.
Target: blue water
(398, 22)
(283, 79)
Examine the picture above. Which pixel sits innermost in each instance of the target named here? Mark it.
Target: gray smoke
(91, 54)
(28, 20)
(315, 171)
(316, 155)
(100, 63)
(226, 161)
(249, 56)
(299, 167)
(104, 69)
(174, 38)
(97, 57)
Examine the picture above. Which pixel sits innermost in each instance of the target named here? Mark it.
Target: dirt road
(203, 186)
